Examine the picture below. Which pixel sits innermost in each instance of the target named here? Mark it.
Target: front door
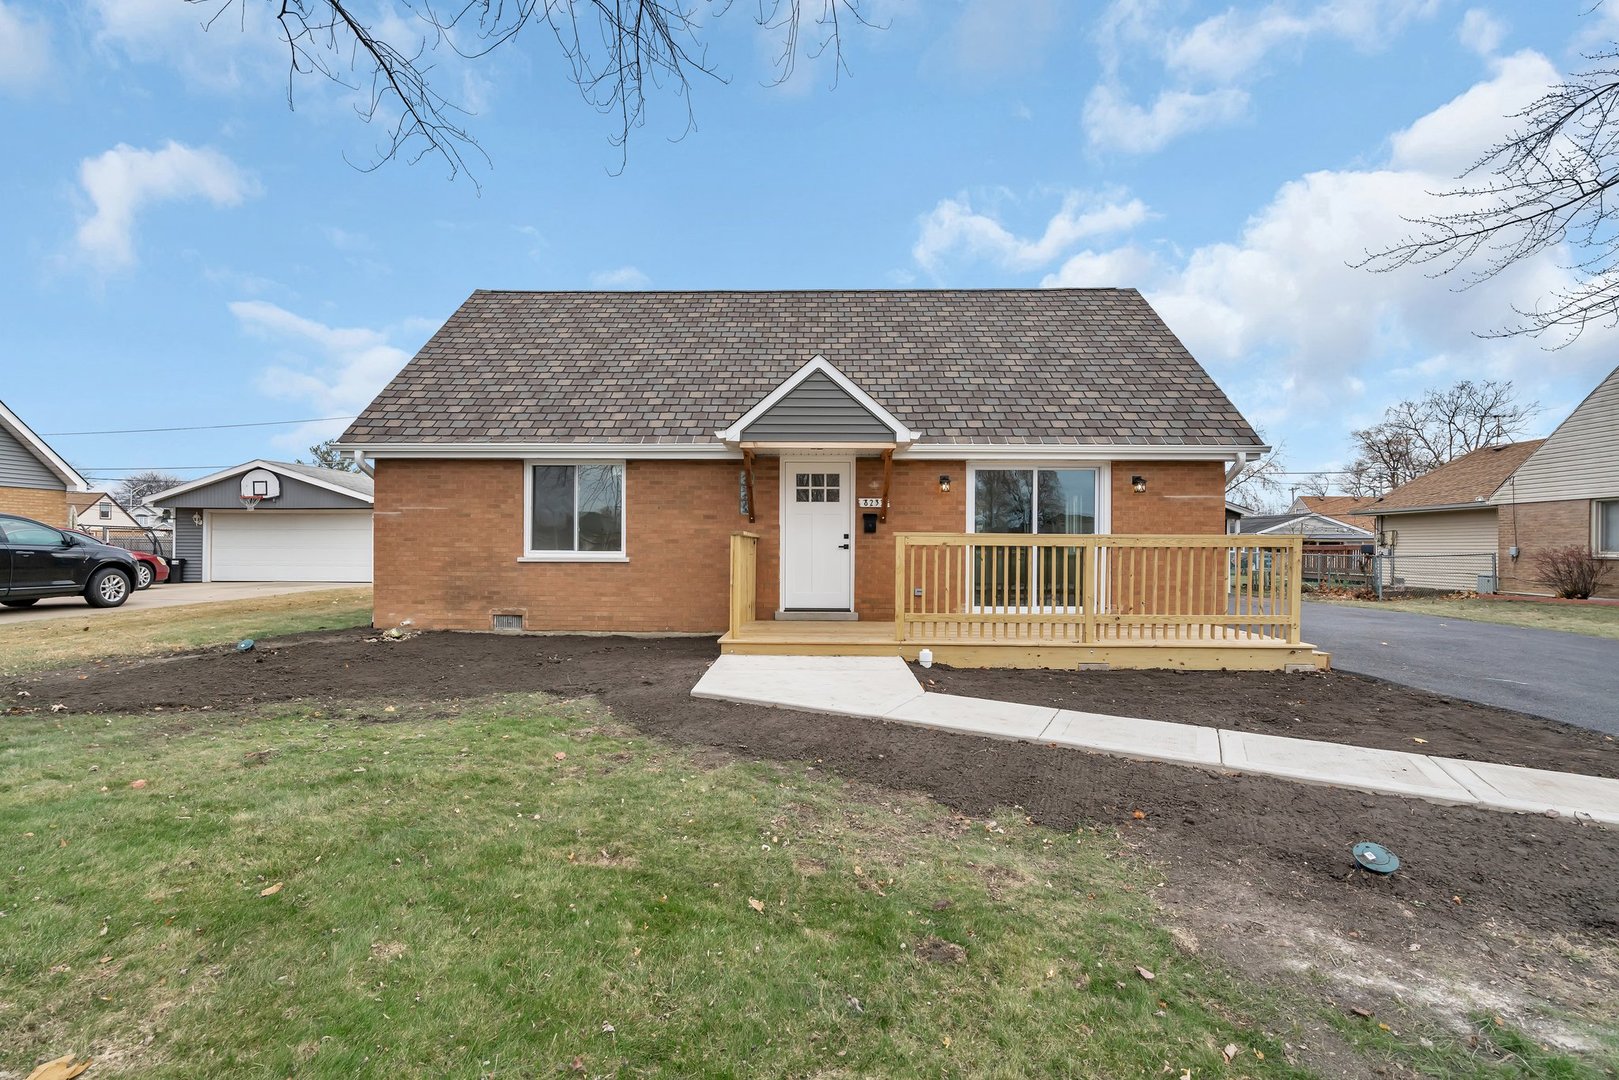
(817, 535)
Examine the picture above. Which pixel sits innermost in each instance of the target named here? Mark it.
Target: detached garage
(272, 521)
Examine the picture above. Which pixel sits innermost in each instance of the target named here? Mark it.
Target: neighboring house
(1317, 529)
(1344, 508)
(582, 461)
(97, 513)
(1234, 513)
(306, 524)
(1565, 494)
(34, 480)
(1440, 530)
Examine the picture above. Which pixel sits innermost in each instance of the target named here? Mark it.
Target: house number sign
(871, 504)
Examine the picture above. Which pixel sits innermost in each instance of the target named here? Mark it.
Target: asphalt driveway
(160, 596)
(1568, 677)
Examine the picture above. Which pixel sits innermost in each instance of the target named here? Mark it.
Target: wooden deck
(1061, 601)
(1118, 647)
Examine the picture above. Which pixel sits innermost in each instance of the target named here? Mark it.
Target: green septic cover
(1376, 858)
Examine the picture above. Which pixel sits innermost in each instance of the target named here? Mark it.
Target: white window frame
(1596, 530)
(1104, 518)
(532, 556)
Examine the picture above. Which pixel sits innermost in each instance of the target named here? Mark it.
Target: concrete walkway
(883, 688)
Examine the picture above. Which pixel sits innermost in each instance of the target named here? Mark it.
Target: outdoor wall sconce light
(196, 517)
(944, 483)
(1138, 484)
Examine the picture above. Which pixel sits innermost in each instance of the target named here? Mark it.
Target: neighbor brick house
(1565, 494)
(580, 461)
(34, 479)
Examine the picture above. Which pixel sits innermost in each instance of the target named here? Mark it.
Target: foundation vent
(508, 622)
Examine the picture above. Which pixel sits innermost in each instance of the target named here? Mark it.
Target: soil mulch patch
(1464, 869)
(1331, 706)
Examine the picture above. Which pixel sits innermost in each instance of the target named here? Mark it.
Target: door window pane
(1067, 501)
(1003, 501)
(601, 508)
(553, 508)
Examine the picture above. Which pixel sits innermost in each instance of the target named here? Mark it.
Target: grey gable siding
(295, 495)
(817, 410)
(20, 468)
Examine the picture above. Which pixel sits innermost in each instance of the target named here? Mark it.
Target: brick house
(34, 479)
(1564, 494)
(583, 461)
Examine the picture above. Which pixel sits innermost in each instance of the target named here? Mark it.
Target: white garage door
(289, 545)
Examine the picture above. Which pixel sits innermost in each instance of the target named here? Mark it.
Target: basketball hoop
(251, 502)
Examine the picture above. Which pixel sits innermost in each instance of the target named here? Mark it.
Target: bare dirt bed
(1331, 706)
(1491, 911)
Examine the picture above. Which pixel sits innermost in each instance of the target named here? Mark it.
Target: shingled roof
(1465, 482)
(1058, 366)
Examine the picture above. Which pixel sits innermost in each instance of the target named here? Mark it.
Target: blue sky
(181, 249)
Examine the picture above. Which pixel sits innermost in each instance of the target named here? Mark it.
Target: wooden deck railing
(744, 578)
(1081, 589)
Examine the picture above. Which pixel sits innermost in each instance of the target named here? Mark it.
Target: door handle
(845, 547)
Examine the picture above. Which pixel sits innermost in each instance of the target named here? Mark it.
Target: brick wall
(449, 534)
(41, 504)
(1540, 526)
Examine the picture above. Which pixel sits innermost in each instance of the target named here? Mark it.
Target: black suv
(38, 561)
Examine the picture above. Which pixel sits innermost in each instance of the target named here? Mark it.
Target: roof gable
(817, 403)
(1579, 459)
(354, 485)
(1312, 525)
(1081, 367)
(26, 460)
(1465, 483)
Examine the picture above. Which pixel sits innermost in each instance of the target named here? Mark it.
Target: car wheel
(143, 575)
(20, 603)
(108, 587)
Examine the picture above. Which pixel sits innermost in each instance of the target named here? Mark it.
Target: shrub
(1573, 572)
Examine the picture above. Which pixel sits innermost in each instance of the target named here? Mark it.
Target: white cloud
(241, 46)
(625, 277)
(1207, 67)
(1481, 32)
(1113, 123)
(954, 228)
(25, 50)
(1307, 342)
(1229, 46)
(334, 370)
(124, 180)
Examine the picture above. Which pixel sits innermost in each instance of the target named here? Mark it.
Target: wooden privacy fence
(1084, 589)
(744, 578)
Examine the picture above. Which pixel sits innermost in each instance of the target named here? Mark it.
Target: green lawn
(1597, 620)
(522, 889)
(34, 645)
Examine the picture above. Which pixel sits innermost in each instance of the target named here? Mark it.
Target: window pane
(1067, 501)
(28, 534)
(552, 526)
(1608, 526)
(601, 508)
(832, 493)
(832, 479)
(1003, 501)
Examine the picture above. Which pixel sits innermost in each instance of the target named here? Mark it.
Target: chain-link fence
(1397, 573)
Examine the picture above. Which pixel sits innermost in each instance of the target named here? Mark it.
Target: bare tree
(1356, 481)
(1416, 436)
(327, 456)
(1262, 485)
(615, 50)
(1549, 185)
(1317, 484)
(134, 489)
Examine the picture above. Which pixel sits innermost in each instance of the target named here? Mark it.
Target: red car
(149, 570)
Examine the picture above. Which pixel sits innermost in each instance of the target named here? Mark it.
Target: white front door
(817, 535)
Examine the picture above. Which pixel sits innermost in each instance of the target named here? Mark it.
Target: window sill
(573, 557)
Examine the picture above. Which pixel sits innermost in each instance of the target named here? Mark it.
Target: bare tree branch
(616, 51)
(1549, 188)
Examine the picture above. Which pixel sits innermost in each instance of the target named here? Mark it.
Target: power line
(142, 468)
(198, 427)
